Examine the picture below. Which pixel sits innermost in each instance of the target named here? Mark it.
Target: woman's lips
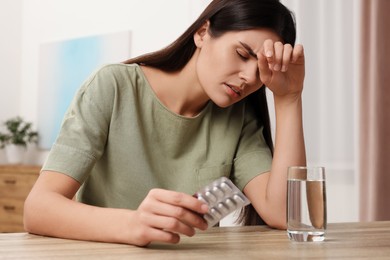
(232, 91)
(235, 89)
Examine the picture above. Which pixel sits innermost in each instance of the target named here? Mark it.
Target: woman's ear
(201, 33)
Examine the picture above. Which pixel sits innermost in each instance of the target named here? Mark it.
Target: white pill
(218, 192)
(238, 199)
(210, 197)
(223, 208)
(214, 212)
(231, 204)
(226, 188)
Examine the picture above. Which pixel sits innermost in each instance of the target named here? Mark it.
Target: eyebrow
(249, 50)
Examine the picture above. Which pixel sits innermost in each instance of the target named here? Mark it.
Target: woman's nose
(249, 73)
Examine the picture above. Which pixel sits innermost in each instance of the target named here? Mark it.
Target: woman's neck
(180, 91)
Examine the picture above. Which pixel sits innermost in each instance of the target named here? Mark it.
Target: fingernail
(204, 208)
(268, 54)
(284, 68)
(277, 67)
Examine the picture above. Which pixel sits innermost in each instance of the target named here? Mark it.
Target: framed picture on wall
(63, 66)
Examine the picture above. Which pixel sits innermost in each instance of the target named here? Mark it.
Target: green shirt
(120, 141)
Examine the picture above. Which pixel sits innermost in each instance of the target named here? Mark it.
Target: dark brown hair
(225, 16)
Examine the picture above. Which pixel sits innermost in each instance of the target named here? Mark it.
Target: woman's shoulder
(113, 76)
(112, 81)
(116, 70)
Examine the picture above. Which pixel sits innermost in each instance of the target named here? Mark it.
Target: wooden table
(344, 240)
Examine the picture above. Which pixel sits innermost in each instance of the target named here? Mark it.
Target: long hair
(225, 16)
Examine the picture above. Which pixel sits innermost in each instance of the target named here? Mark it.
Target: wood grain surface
(343, 241)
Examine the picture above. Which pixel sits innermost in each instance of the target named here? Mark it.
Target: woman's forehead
(253, 38)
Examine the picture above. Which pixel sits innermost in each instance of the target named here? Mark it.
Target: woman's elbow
(277, 223)
(30, 214)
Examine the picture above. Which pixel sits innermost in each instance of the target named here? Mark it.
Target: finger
(278, 56)
(179, 199)
(287, 53)
(166, 236)
(264, 70)
(268, 50)
(298, 53)
(186, 216)
(158, 235)
(169, 224)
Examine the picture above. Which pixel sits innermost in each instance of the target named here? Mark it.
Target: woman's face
(227, 66)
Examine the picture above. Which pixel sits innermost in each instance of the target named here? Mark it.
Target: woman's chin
(223, 103)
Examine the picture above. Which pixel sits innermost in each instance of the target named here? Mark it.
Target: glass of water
(306, 203)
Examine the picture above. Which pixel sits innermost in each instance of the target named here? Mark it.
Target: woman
(141, 137)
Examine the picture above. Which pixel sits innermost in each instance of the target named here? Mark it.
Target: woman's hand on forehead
(281, 67)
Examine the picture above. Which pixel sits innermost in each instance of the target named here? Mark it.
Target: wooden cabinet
(16, 182)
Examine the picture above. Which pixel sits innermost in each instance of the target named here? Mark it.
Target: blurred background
(330, 31)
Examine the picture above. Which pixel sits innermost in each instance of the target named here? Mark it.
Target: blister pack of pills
(222, 197)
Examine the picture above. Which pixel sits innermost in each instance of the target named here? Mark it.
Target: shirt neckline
(155, 97)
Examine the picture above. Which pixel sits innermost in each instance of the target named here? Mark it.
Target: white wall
(327, 28)
(10, 62)
(10, 59)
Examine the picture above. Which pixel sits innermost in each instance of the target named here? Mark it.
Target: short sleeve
(253, 155)
(84, 129)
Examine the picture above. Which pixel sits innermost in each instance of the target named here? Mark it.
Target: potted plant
(17, 135)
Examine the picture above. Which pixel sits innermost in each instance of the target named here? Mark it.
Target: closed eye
(243, 55)
(249, 50)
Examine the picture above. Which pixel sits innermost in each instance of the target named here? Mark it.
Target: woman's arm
(162, 216)
(282, 71)
(268, 191)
